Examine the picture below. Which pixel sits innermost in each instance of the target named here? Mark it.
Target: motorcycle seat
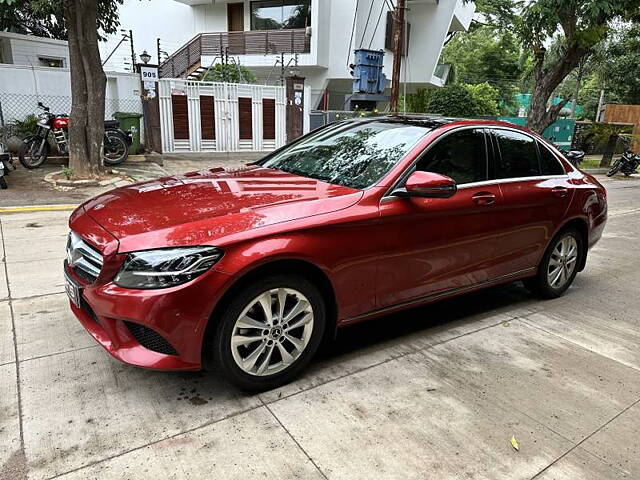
(111, 124)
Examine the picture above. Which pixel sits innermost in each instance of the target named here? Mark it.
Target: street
(435, 392)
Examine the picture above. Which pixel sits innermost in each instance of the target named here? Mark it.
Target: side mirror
(428, 185)
(40, 104)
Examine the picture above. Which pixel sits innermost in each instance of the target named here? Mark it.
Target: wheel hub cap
(562, 262)
(272, 331)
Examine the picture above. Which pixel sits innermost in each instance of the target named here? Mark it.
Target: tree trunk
(546, 82)
(88, 82)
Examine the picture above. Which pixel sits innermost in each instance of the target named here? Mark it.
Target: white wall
(21, 87)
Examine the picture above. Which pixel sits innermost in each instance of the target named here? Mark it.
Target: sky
(149, 19)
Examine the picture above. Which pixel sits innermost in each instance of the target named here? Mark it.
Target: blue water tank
(367, 71)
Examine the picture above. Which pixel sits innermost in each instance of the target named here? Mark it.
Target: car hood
(211, 206)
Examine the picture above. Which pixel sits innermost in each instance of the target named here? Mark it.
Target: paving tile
(250, 445)
(580, 464)
(27, 279)
(563, 386)
(401, 420)
(11, 458)
(7, 351)
(81, 407)
(48, 248)
(617, 443)
(45, 325)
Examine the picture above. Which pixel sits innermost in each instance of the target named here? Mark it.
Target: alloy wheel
(562, 262)
(272, 331)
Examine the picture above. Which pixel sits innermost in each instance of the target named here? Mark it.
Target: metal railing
(255, 42)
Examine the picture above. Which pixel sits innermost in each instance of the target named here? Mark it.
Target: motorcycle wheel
(615, 168)
(116, 149)
(28, 153)
(3, 183)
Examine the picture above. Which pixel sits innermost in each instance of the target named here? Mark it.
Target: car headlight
(166, 267)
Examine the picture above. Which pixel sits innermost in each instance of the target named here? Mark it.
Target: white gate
(221, 117)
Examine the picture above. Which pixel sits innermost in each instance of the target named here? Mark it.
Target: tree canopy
(45, 18)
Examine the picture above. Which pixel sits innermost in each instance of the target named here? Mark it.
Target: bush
(456, 100)
(230, 73)
(26, 127)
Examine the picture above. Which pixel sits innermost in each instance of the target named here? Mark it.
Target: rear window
(518, 155)
(549, 164)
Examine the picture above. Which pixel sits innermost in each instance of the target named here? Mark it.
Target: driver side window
(461, 156)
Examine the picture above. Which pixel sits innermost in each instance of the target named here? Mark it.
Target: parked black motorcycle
(35, 148)
(575, 157)
(6, 166)
(627, 164)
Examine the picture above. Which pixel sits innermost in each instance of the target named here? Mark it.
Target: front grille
(150, 339)
(85, 260)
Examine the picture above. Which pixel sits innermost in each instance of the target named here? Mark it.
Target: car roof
(434, 121)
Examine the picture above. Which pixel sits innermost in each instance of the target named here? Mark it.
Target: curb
(37, 208)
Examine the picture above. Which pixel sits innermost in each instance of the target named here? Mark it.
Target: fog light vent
(150, 339)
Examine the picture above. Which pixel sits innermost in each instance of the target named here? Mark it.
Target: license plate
(73, 291)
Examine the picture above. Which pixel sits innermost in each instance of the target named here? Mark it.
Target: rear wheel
(116, 149)
(559, 265)
(615, 168)
(269, 332)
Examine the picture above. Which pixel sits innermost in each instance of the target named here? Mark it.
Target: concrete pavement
(435, 392)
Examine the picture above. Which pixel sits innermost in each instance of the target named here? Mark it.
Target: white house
(323, 32)
(19, 49)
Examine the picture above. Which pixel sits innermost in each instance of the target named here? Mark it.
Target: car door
(536, 192)
(433, 245)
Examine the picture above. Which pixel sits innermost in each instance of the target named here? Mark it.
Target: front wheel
(33, 152)
(3, 183)
(559, 265)
(116, 149)
(615, 168)
(269, 332)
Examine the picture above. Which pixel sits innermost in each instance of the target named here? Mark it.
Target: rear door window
(460, 156)
(549, 164)
(517, 155)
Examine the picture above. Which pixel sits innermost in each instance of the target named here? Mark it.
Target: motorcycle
(35, 148)
(6, 166)
(627, 164)
(575, 157)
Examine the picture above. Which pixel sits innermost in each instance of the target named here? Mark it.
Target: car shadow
(455, 312)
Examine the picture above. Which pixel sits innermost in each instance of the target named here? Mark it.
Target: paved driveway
(435, 392)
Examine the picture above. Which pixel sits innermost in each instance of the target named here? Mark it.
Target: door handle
(484, 198)
(560, 192)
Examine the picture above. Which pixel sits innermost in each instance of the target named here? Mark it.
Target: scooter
(6, 166)
(575, 157)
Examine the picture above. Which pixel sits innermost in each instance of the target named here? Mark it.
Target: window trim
(491, 159)
(402, 178)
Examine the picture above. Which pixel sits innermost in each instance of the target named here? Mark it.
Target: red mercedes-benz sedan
(254, 267)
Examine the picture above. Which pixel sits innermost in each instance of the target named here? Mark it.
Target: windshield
(353, 154)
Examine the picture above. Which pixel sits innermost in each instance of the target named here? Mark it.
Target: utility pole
(133, 53)
(398, 48)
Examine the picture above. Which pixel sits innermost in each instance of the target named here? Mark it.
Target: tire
(116, 149)
(255, 376)
(3, 183)
(615, 168)
(543, 283)
(25, 154)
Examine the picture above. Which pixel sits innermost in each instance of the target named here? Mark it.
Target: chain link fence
(16, 107)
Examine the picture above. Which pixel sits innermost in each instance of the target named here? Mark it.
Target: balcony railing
(256, 42)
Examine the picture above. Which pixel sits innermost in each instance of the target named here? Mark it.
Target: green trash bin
(130, 121)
